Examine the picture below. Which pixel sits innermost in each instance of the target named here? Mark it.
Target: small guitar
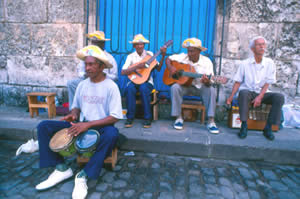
(186, 74)
(140, 76)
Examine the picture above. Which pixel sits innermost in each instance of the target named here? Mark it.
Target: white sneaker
(54, 178)
(80, 189)
(212, 128)
(178, 124)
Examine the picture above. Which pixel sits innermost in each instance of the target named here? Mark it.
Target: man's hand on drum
(70, 117)
(78, 128)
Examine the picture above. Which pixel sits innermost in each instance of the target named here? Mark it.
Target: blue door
(159, 21)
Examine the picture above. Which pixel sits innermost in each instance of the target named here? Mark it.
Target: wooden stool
(191, 104)
(34, 104)
(257, 118)
(112, 159)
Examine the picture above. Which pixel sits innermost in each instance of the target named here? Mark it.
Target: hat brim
(199, 47)
(136, 42)
(82, 57)
(95, 38)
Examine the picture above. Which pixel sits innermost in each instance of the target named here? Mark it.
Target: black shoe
(147, 123)
(268, 134)
(243, 132)
(129, 123)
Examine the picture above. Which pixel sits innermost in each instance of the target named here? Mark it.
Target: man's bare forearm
(264, 90)
(110, 120)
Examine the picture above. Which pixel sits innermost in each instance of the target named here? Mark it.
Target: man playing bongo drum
(97, 105)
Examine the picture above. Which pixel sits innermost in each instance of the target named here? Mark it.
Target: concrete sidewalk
(194, 140)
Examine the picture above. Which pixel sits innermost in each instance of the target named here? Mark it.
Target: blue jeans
(48, 158)
(145, 90)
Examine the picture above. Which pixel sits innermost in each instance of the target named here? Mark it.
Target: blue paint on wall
(159, 21)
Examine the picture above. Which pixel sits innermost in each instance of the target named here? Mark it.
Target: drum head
(87, 139)
(60, 140)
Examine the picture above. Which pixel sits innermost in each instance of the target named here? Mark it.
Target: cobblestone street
(146, 176)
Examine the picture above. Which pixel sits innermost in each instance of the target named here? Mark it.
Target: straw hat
(193, 42)
(139, 38)
(97, 35)
(93, 51)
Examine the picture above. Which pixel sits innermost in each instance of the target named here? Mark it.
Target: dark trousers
(274, 99)
(145, 90)
(48, 158)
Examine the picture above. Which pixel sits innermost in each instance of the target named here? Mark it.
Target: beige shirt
(202, 66)
(135, 58)
(253, 76)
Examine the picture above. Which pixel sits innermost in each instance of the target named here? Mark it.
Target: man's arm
(80, 127)
(112, 73)
(235, 88)
(257, 101)
(163, 51)
(171, 68)
(73, 116)
(132, 69)
(204, 79)
(126, 70)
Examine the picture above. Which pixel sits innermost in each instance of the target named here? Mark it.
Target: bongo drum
(62, 143)
(87, 142)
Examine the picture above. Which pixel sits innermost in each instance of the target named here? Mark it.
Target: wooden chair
(195, 105)
(153, 103)
(34, 104)
(111, 160)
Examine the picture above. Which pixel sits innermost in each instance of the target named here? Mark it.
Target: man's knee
(130, 88)
(243, 94)
(143, 87)
(111, 133)
(279, 99)
(175, 88)
(42, 126)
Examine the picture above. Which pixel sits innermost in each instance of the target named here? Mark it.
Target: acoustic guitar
(186, 74)
(141, 75)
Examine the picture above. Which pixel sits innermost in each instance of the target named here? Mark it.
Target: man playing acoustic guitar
(134, 62)
(199, 87)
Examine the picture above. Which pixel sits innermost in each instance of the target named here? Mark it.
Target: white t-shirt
(135, 58)
(98, 100)
(111, 73)
(202, 66)
(253, 76)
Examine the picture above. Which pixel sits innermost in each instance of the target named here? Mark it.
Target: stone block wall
(276, 20)
(38, 41)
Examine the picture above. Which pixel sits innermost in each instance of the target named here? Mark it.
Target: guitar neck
(167, 44)
(153, 58)
(194, 75)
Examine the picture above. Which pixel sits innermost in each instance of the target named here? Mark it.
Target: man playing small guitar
(133, 63)
(200, 87)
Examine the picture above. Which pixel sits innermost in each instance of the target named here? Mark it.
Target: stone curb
(204, 150)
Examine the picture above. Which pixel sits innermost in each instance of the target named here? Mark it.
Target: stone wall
(276, 20)
(38, 41)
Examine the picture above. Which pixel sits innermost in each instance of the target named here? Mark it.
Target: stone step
(193, 140)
